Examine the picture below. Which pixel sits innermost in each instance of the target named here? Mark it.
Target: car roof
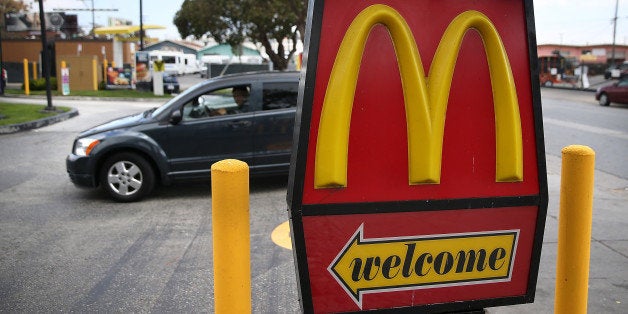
(239, 79)
(255, 76)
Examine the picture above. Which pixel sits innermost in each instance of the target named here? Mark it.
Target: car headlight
(84, 146)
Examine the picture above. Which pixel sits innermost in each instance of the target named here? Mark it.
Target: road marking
(587, 128)
(281, 236)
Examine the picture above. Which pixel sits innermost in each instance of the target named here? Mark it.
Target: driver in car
(241, 97)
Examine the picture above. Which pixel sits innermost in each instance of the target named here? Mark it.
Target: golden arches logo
(425, 107)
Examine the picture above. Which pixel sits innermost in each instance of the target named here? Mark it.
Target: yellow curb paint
(281, 236)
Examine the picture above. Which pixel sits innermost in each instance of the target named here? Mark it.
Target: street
(64, 249)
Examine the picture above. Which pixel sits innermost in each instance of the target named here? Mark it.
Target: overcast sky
(577, 22)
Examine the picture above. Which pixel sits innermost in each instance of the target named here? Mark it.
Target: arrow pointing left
(405, 263)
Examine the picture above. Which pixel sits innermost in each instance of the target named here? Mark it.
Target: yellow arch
(425, 109)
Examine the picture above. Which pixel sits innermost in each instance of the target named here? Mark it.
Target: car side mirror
(175, 117)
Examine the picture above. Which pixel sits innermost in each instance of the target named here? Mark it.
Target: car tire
(127, 177)
(604, 100)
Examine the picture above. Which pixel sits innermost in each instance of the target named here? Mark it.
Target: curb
(163, 100)
(14, 128)
(592, 90)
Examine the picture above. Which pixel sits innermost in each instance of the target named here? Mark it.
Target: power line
(85, 9)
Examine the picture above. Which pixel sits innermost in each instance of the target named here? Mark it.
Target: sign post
(418, 177)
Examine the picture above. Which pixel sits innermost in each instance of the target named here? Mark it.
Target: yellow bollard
(94, 74)
(231, 236)
(104, 70)
(27, 88)
(34, 70)
(574, 230)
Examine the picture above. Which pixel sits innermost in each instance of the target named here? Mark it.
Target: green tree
(10, 6)
(233, 21)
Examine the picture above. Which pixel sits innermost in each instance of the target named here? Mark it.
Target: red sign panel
(418, 177)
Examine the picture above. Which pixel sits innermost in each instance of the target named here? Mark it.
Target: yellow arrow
(406, 263)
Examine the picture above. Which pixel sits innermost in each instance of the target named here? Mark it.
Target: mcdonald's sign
(418, 177)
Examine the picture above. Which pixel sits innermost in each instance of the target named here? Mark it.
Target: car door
(274, 126)
(621, 91)
(213, 127)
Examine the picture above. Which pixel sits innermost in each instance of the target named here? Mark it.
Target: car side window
(280, 95)
(224, 101)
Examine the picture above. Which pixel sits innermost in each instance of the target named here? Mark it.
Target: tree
(234, 21)
(10, 6)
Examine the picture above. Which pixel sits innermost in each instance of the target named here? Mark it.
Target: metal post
(231, 236)
(105, 65)
(614, 32)
(574, 230)
(141, 28)
(45, 56)
(95, 74)
(27, 87)
(2, 82)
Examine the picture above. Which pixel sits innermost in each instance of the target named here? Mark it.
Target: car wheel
(127, 177)
(604, 101)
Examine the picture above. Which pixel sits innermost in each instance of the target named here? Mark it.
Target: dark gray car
(249, 117)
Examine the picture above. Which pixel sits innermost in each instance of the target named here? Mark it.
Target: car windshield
(165, 106)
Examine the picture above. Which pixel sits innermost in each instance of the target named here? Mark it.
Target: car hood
(120, 123)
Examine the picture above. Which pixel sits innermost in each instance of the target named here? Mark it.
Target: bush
(40, 84)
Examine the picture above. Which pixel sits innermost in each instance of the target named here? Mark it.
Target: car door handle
(240, 124)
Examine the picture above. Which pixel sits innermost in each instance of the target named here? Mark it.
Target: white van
(175, 62)
(190, 64)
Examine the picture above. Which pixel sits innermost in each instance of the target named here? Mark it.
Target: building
(15, 51)
(183, 46)
(591, 54)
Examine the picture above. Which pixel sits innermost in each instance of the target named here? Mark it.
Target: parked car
(616, 92)
(170, 82)
(617, 71)
(249, 117)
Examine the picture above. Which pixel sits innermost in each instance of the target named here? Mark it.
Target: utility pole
(45, 56)
(2, 82)
(141, 29)
(614, 33)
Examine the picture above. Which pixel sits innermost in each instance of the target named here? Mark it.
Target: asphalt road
(66, 249)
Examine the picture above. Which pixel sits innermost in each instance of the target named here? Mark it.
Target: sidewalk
(608, 271)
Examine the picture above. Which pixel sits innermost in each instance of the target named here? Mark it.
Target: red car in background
(617, 92)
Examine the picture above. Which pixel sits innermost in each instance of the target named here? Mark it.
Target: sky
(160, 12)
(569, 22)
